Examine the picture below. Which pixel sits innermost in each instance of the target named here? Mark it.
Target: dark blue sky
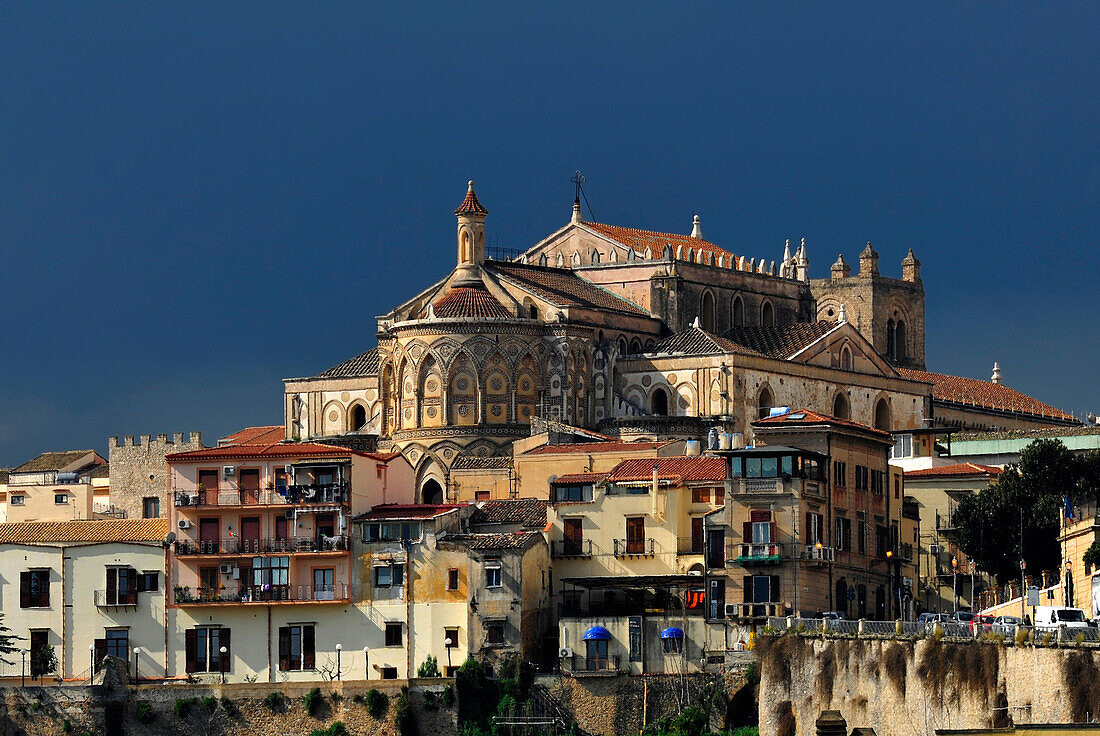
(198, 200)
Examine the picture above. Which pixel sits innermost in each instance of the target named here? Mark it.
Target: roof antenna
(579, 180)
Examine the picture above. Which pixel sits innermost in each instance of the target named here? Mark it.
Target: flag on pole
(1069, 509)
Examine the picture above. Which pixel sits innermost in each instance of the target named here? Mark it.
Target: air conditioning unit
(289, 513)
(565, 652)
(183, 524)
(934, 549)
(228, 470)
(227, 569)
(732, 610)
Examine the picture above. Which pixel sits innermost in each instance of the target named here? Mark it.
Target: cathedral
(638, 335)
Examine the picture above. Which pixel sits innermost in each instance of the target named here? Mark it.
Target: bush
(183, 707)
(143, 711)
(312, 701)
(429, 701)
(404, 720)
(230, 708)
(428, 668)
(272, 701)
(210, 703)
(336, 729)
(449, 696)
(66, 726)
(377, 704)
(1021, 637)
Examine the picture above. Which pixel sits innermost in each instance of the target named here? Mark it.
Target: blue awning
(672, 633)
(597, 633)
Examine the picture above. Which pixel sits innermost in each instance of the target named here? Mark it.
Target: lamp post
(450, 643)
(955, 582)
(366, 671)
(23, 673)
(221, 662)
(137, 651)
(973, 595)
(91, 660)
(338, 649)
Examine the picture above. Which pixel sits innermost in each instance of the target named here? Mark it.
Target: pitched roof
(530, 512)
(406, 511)
(595, 447)
(674, 469)
(562, 287)
(697, 341)
(281, 449)
(103, 470)
(470, 205)
(805, 417)
(511, 540)
(780, 341)
(48, 461)
(255, 436)
(105, 530)
(470, 301)
(570, 479)
(958, 470)
(639, 240)
(364, 364)
(971, 391)
(475, 462)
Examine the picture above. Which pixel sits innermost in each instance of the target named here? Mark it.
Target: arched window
(845, 358)
(358, 418)
(764, 403)
(891, 340)
(767, 314)
(622, 345)
(738, 312)
(706, 312)
(431, 492)
(650, 344)
(882, 415)
(659, 405)
(900, 351)
(635, 346)
(841, 408)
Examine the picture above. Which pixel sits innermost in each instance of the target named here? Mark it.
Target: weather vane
(578, 179)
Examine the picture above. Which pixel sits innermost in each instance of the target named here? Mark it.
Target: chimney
(996, 377)
(696, 228)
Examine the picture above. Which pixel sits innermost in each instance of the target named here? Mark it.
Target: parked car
(929, 620)
(981, 624)
(1050, 618)
(963, 616)
(1007, 625)
(833, 616)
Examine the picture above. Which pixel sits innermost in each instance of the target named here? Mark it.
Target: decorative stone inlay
(672, 378)
(345, 396)
(646, 380)
(497, 410)
(333, 415)
(496, 384)
(432, 412)
(462, 383)
(431, 385)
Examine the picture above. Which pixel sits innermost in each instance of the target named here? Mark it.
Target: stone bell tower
(471, 237)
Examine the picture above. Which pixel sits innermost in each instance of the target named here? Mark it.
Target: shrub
(752, 673)
(1021, 637)
(312, 701)
(404, 720)
(230, 708)
(428, 668)
(336, 729)
(66, 726)
(449, 696)
(272, 700)
(143, 711)
(430, 701)
(183, 707)
(1080, 639)
(1047, 639)
(210, 703)
(36, 706)
(377, 704)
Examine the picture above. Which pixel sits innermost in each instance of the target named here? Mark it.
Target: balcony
(689, 546)
(767, 553)
(579, 665)
(814, 553)
(327, 494)
(753, 610)
(240, 547)
(114, 598)
(571, 548)
(632, 547)
(777, 486)
(245, 594)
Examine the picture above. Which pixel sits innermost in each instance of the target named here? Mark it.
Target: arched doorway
(358, 418)
(841, 408)
(431, 492)
(882, 415)
(659, 402)
(764, 403)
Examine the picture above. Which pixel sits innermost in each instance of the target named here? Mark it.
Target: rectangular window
(150, 507)
(450, 637)
(492, 575)
(760, 528)
(282, 481)
(389, 673)
(392, 531)
(202, 647)
(635, 535)
(494, 632)
(716, 547)
(697, 535)
(17, 499)
(840, 474)
(271, 572)
(814, 528)
(122, 585)
(700, 495)
(573, 530)
(573, 493)
(296, 647)
(389, 576)
(118, 643)
(148, 581)
(903, 446)
(843, 538)
(61, 498)
(452, 579)
(393, 634)
(34, 589)
(861, 536)
(208, 487)
(482, 495)
(719, 495)
(761, 589)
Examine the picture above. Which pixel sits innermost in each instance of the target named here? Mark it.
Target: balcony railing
(625, 547)
(819, 554)
(753, 610)
(767, 553)
(579, 665)
(260, 594)
(571, 548)
(689, 546)
(261, 546)
(107, 598)
(328, 493)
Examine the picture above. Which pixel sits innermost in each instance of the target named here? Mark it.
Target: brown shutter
(131, 586)
(773, 533)
(99, 652)
(746, 532)
(223, 641)
(308, 657)
(112, 584)
(284, 647)
(774, 589)
(25, 589)
(746, 588)
(191, 649)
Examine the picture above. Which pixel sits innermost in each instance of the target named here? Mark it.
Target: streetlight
(955, 582)
(137, 651)
(973, 595)
(338, 648)
(450, 643)
(91, 658)
(23, 675)
(221, 662)
(366, 672)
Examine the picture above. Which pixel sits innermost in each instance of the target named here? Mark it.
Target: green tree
(987, 524)
(428, 668)
(7, 641)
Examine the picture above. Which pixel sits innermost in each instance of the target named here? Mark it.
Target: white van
(1050, 618)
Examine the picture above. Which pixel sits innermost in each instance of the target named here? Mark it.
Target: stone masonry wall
(138, 468)
(906, 687)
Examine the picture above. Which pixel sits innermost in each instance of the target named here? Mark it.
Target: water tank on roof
(692, 448)
(68, 477)
(737, 441)
(712, 439)
(724, 441)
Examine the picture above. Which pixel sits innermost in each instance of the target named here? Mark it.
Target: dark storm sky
(200, 199)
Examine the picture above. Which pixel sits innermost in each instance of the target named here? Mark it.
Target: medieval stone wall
(139, 471)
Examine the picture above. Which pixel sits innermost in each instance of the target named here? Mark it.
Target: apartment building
(59, 486)
(261, 565)
(86, 590)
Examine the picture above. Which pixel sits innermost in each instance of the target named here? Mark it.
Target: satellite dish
(552, 478)
(170, 538)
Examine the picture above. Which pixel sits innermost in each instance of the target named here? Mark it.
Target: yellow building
(59, 486)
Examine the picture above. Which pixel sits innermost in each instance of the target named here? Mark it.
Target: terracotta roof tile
(470, 301)
(280, 450)
(530, 512)
(958, 470)
(470, 205)
(780, 341)
(512, 540)
(364, 364)
(49, 461)
(406, 511)
(255, 436)
(474, 462)
(562, 287)
(971, 391)
(105, 530)
(697, 341)
(807, 417)
(571, 479)
(639, 240)
(594, 447)
(675, 469)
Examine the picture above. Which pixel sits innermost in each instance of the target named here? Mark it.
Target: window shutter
(131, 586)
(223, 641)
(284, 647)
(99, 652)
(774, 592)
(809, 536)
(746, 532)
(25, 589)
(308, 657)
(191, 649)
(112, 584)
(773, 532)
(746, 588)
(398, 574)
